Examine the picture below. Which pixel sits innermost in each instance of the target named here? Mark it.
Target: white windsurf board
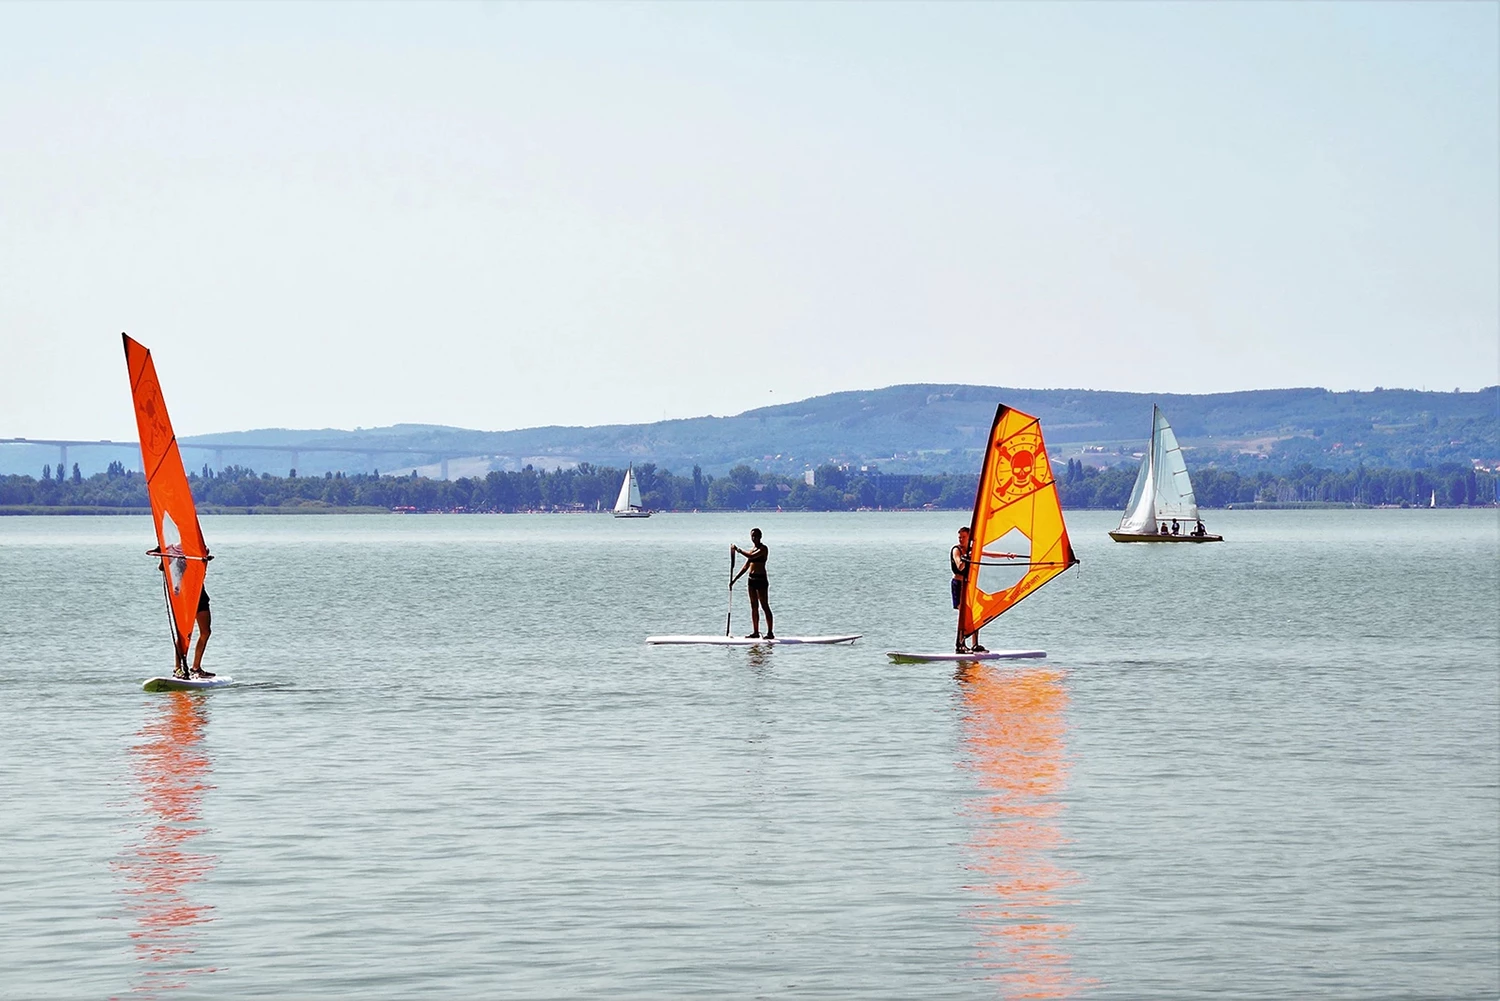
(185, 684)
(919, 658)
(745, 641)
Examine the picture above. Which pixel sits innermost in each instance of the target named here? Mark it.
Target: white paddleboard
(919, 658)
(742, 641)
(185, 684)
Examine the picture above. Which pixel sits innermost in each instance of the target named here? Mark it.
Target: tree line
(1453, 484)
(834, 488)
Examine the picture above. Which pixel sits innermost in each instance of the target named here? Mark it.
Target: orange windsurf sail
(179, 538)
(1018, 539)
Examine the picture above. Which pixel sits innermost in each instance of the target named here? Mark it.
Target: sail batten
(179, 537)
(1017, 530)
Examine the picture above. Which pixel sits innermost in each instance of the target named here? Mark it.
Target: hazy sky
(500, 216)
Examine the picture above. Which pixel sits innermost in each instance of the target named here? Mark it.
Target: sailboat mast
(1155, 468)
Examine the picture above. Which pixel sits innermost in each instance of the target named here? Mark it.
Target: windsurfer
(757, 584)
(958, 562)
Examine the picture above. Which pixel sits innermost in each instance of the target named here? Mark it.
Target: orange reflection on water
(1015, 738)
(171, 773)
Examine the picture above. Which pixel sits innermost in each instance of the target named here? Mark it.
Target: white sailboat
(628, 504)
(1163, 494)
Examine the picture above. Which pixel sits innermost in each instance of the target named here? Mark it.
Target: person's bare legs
(754, 614)
(763, 596)
(205, 630)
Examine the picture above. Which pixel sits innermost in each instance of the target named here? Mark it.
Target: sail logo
(1020, 467)
(157, 429)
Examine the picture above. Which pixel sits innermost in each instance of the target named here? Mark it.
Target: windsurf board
(919, 658)
(185, 684)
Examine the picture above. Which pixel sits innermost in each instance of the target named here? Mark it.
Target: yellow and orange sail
(179, 537)
(1018, 538)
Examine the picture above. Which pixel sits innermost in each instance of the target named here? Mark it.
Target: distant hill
(912, 428)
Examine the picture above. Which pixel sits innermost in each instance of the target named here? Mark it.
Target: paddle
(729, 613)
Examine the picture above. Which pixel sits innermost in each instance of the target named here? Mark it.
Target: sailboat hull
(1151, 537)
(632, 514)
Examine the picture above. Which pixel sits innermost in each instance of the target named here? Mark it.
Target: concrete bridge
(219, 448)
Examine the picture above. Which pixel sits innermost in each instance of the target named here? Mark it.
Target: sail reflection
(1015, 738)
(171, 773)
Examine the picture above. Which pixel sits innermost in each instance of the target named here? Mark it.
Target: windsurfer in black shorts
(958, 562)
(757, 584)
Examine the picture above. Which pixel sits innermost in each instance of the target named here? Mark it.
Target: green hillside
(923, 428)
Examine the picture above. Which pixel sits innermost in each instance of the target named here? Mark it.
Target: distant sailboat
(628, 504)
(1433, 501)
(1163, 493)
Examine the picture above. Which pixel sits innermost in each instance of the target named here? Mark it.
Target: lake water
(1263, 769)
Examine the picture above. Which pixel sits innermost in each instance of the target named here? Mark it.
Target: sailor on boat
(758, 584)
(958, 562)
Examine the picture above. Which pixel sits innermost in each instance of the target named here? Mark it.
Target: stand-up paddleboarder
(757, 584)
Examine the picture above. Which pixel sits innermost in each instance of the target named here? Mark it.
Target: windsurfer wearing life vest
(757, 584)
(958, 562)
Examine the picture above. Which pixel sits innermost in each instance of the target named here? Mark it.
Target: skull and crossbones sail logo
(158, 431)
(1020, 468)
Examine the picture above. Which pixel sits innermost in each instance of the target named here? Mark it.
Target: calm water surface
(1264, 769)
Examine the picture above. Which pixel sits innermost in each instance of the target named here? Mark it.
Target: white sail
(1163, 490)
(1174, 490)
(630, 494)
(1140, 513)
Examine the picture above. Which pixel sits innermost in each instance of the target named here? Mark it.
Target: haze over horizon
(500, 217)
